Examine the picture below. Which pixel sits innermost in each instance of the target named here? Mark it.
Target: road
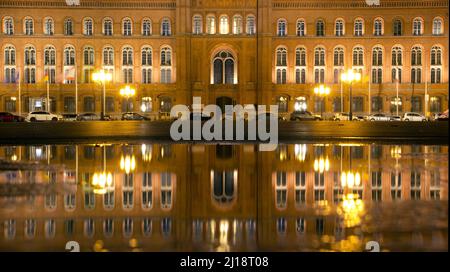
(160, 130)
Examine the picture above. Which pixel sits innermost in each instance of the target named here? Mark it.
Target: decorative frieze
(330, 4)
(132, 4)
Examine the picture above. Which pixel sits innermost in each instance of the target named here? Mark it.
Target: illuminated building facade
(227, 52)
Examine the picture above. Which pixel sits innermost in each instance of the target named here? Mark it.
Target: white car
(413, 116)
(39, 116)
(378, 117)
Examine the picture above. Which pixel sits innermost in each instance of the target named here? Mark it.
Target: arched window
(10, 64)
(416, 64)
(49, 27)
(396, 56)
(69, 56)
(197, 24)
(396, 64)
(358, 27)
(319, 65)
(281, 65)
(166, 28)
(88, 56)
(301, 28)
(211, 24)
(397, 27)
(127, 64)
(436, 55)
(224, 66)
(436, 64)
(320, 28)
(378, 29)
(8, 26)
(30, 65)
(300, 65)
(50, 63)
(69, 64)
(437, 26)
(417, 26)
(237, 24)
(377, 65)
(146, 62)
(88, 63)
(223, 186)
(224, 29)
(127, 27)
(107, 27)
(339, 28)
(68, 27)
(282, 27)
(28, 26)
(108, 56)
(166, 64)
(88, 27)
(251, 26)
(146, 27)
(358, 56)
(338, 56)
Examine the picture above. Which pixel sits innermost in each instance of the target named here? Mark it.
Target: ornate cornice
(330, 4)
(122, 4)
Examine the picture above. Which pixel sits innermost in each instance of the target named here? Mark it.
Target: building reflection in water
(154, 197)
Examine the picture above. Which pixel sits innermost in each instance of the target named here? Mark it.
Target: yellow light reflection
(321, 165)
(127, 163)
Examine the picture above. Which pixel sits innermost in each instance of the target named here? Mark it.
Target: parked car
(39, 116)
(413, 116)
(90, 116)
(443, 116)
(9, 117)
(344, 116)
(396, 118)
(304, 116)
(133, 116)
(69, 117)
(378, 117)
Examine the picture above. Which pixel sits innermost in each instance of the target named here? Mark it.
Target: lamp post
(350, 76)
(322, 91)
(397, 103)
(102, 77)
(127, 92)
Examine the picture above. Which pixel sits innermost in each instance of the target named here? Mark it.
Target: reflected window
(281, 226)
(166, 226)
(435, 187)
(89, 227)
(69, 202)
(300, 225)
(146, 227)
(166, 190)
(69, 227)
(30, 228)
(224, 186)
(300, 188)
(396, 185)
(415, 185)
(10, 229)
(50, 228)
(147, 190)
(281, 190)
(320, 226)
(127, 227)
(108, 227)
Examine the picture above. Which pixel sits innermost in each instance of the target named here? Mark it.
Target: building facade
(226, 52)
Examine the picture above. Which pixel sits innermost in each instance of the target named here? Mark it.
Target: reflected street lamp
(102, 77)
(350, 76)
(127, 92)
(322, 91)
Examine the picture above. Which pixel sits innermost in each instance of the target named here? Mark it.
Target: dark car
(88, 117)
(133, 116)
(304, 116)
(9, 117)
(69, 117)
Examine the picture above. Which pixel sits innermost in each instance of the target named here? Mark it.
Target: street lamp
(127, 92)
(322, 91)
(102, 77)
(397, 102)
(350, 76)
(103, 179)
